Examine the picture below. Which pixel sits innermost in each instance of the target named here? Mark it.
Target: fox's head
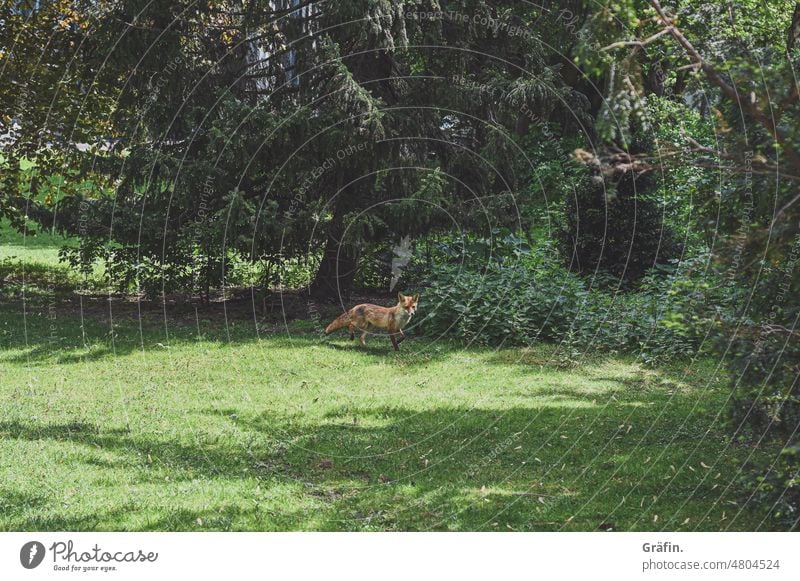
(408, 303)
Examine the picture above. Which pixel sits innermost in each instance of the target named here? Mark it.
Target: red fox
(367, 317)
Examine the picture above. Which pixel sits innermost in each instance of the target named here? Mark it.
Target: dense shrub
(523, 295)
(615, 224)
(764, 353)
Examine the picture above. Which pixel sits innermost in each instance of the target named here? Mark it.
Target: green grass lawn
(36, 246)
(192, 425)
(32, 258)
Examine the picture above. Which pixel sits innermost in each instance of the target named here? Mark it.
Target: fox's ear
(400, 297)
(416, 297)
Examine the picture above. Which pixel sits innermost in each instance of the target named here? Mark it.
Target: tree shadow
(67, 333)
(46, 336)
(184, 461)
(384, 468)
(415, 351)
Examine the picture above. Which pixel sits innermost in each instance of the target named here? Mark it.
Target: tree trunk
(334, 279)
(794, 29)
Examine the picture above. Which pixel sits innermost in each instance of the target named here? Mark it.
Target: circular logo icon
(31, 554)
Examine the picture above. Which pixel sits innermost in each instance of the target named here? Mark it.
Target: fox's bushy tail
(341, 321)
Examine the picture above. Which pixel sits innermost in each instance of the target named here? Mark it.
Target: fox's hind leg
(364, 338)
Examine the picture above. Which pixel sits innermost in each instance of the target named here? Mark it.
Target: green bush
(522, 295)
(615, 224)
(764, 355)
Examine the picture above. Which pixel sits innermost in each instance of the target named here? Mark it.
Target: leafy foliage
(521, 296)
(745, 54)
(617, 228)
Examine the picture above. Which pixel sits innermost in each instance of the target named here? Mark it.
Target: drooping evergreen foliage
(272, 129)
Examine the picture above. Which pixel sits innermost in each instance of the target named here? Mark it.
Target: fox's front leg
(401, 336)
(352, 328)
(393, 332)
(364, 338)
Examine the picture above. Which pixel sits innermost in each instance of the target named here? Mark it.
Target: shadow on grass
(15, 507)
(47, 335)
(43, 336)
(384, 468)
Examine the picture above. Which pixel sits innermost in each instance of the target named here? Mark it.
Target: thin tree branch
(713, 76)
(769, 329)
(637, 43)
